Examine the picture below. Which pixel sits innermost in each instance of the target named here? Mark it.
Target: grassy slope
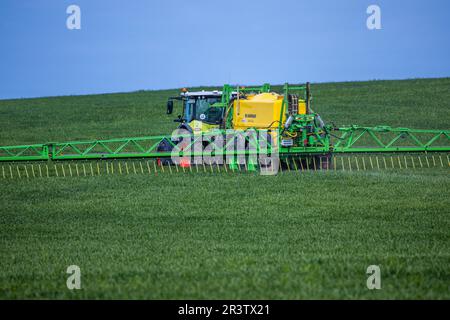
(414, 103)
(309, 235)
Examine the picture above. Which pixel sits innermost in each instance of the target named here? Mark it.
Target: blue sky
(152, 44)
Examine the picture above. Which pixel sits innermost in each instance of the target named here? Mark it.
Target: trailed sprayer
(238, 129)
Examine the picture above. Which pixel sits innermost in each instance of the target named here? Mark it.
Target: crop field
(297, 235)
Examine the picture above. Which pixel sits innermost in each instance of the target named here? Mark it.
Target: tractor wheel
(164, 146)
(266, 162)
(323, 161)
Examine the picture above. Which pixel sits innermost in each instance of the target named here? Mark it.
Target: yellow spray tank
(262, 111)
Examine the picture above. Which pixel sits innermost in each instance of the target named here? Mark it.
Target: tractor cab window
(190, 104)
(204, 112)
(199, 108)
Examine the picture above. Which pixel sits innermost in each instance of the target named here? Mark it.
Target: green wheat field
(297, 235)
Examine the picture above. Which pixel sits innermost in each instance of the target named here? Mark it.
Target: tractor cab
(202, 110)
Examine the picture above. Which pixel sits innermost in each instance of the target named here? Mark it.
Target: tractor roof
(214, 93)
(203, 93)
